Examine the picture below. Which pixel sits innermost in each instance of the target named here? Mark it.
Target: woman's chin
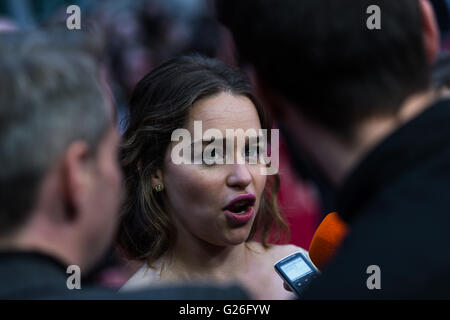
(235, 242)
(237, 239)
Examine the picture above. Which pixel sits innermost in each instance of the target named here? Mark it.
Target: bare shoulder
(274, 253)
(143, 278)
(278, 252)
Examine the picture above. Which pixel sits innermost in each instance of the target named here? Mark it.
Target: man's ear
(75, 178)
(430, 31)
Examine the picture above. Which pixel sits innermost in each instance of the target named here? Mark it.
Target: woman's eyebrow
(206, 141)
(255, 140)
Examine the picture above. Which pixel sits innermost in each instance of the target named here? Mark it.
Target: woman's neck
(196, 260)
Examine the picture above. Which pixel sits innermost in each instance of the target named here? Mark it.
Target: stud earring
(158, 187)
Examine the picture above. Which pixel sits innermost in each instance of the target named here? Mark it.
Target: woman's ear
(157, 178)
(430, 31)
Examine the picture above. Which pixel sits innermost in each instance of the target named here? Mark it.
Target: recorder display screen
(296, 269)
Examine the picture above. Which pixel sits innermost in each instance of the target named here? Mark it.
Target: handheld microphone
(327, 239)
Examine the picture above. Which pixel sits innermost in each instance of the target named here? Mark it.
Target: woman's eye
(252, 152)
(211, 157)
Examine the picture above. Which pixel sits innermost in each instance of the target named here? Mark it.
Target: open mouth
(241, 206)
(240, 210)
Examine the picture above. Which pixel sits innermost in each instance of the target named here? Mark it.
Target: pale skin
(208, 248)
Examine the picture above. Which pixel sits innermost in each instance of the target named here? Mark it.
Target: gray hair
(50, 96)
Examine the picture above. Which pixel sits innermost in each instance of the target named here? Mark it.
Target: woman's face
(200, 196)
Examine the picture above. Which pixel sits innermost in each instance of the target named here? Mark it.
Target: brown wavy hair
(161, 103)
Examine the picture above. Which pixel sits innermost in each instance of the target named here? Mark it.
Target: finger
(286, 286)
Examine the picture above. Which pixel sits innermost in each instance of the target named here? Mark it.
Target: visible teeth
(240, 212)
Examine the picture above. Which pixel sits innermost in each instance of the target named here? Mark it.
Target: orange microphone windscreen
(327, 239)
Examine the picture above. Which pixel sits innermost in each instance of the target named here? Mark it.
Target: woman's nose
(239, 176)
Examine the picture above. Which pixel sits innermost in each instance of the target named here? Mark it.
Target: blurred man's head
(59, 177)
(322, 58)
